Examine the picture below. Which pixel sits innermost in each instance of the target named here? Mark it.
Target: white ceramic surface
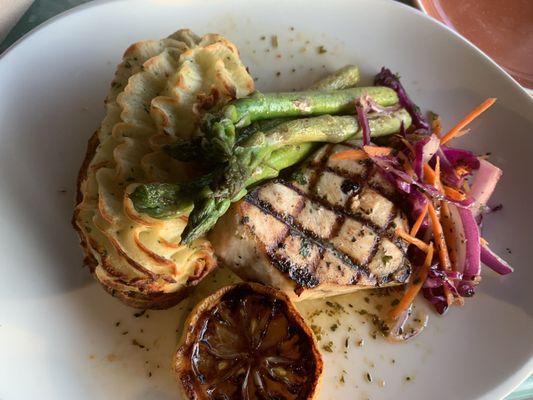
(58, 333)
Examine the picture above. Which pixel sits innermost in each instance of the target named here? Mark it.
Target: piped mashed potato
(159, 94)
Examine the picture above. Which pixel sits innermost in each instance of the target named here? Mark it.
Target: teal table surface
(41, 10)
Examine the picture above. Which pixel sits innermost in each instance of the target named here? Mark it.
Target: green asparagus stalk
(345, 77)
(220, 127)
(191, 149)
(164, 200)
(288, 144)
(260, 146)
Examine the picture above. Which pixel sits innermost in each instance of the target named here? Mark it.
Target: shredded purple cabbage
(461, 157)
(424, 147)
(386, 78)
(436, 297)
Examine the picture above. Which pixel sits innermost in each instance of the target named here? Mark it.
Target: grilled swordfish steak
(329, 229)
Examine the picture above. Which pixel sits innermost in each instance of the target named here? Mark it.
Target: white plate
(58, 338)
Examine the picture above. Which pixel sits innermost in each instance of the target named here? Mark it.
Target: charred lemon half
(247, 341)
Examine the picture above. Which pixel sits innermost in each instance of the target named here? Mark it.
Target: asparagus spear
(191, 149)
(161, 200)
(289, 144)
(164, 200)
(345, 77)
(220, 127)
(260, 146)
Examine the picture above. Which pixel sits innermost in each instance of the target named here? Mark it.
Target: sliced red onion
(363, 123)
(459, 239)
(495, 262)
(425, 149)
(484, 183)
(472, 268)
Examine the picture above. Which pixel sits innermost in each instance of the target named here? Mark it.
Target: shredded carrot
(415, 286)
(454, 194)
(429, 175)
(419, 221)
(462, 132)
(412, 240)
(467, 119)
(361, 154)
(440, 243)
(376, 151)
(352, 154)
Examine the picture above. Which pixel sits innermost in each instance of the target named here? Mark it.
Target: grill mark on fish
(306, 272)
(303, 233)
(303, 277)
(318, 166)
(338, 210)
(341, 211)
(370, 169)
(361, 180)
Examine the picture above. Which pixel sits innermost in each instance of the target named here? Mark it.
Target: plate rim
(526, 370)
